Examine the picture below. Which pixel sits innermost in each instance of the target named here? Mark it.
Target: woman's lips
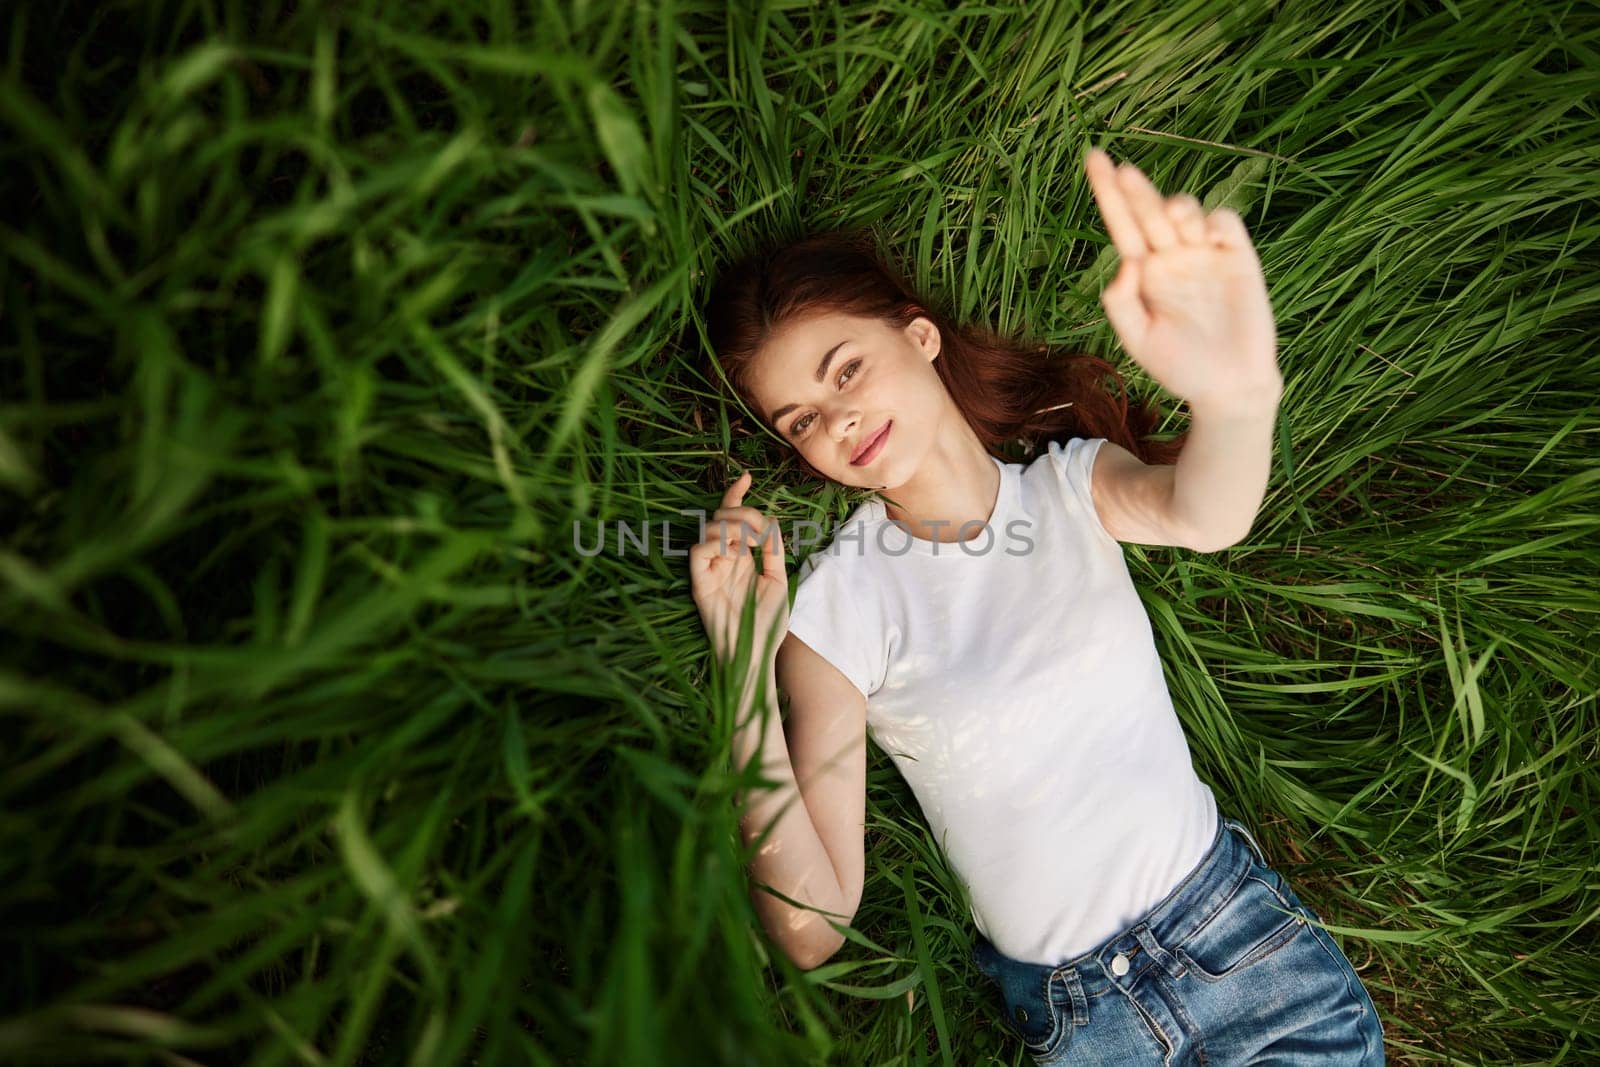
(875, 447)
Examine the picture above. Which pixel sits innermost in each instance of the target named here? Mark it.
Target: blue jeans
(1225, 970)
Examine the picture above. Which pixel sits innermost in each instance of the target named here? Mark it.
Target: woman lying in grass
(977, 617)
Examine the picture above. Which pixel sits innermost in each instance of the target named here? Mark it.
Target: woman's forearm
(1221, 474)
(792, 859)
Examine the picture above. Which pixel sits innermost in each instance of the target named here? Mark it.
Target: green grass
(321, 327)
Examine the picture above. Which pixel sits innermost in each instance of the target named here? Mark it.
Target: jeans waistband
(1193, 901)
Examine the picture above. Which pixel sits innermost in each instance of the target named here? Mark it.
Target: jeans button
(1119, 964)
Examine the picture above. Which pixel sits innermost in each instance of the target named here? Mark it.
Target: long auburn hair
(1009, 390)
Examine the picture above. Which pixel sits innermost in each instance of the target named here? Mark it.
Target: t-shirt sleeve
(828, 616)
(1073, 463)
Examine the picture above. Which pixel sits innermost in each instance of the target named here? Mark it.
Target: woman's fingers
(733, 524)
(1125, 306)
(709, 563)
(1226, 227)
(708, 566)
(772, 555)
(1140, 220)
(744, 513)
(1148, 207)
(1114, 206)
(1188, 219)
(742, 525)
(736, 526)
(734, 495)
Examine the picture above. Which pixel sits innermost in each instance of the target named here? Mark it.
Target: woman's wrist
(1243, 404)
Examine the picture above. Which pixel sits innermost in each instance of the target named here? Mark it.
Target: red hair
(1009, 390)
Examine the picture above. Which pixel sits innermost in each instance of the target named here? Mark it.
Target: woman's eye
(844, 376)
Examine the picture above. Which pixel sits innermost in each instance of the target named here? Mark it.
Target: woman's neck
(957, 483)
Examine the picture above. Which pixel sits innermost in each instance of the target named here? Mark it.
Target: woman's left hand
(1189, 302)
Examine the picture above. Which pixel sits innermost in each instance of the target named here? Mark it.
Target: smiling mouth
(870, 446)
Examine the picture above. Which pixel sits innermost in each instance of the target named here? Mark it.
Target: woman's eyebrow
(822, 369)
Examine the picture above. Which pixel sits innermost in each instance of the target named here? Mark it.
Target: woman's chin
(878, 475)
(877, 478)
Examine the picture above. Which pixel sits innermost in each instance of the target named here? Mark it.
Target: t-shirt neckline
(896, 540)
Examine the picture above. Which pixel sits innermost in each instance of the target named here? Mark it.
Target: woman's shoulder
(1070, 460)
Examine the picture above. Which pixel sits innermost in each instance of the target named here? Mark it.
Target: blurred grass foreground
(325, 327)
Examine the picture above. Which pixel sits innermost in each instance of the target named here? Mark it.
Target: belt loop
(1251, 841)
(1080, 1002)
(1174, 967)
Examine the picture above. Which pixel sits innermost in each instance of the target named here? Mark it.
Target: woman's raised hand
(1189, 303)
(722, 569)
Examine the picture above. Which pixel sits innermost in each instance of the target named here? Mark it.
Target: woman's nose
(842, 423)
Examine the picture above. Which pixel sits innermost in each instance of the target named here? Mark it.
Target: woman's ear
(926, 336)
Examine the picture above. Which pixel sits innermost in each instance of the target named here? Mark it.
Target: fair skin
(933, 471)
(1189, 305)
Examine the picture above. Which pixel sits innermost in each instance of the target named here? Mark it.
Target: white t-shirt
(1014, 681)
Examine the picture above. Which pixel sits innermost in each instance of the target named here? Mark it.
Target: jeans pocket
(1054, 1048)
(1256, 921)
(1248, 838)
(1048, 1044)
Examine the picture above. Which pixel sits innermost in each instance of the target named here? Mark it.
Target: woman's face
(875, 377)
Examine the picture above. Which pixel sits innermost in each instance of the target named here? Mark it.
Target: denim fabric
(1225, 970)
